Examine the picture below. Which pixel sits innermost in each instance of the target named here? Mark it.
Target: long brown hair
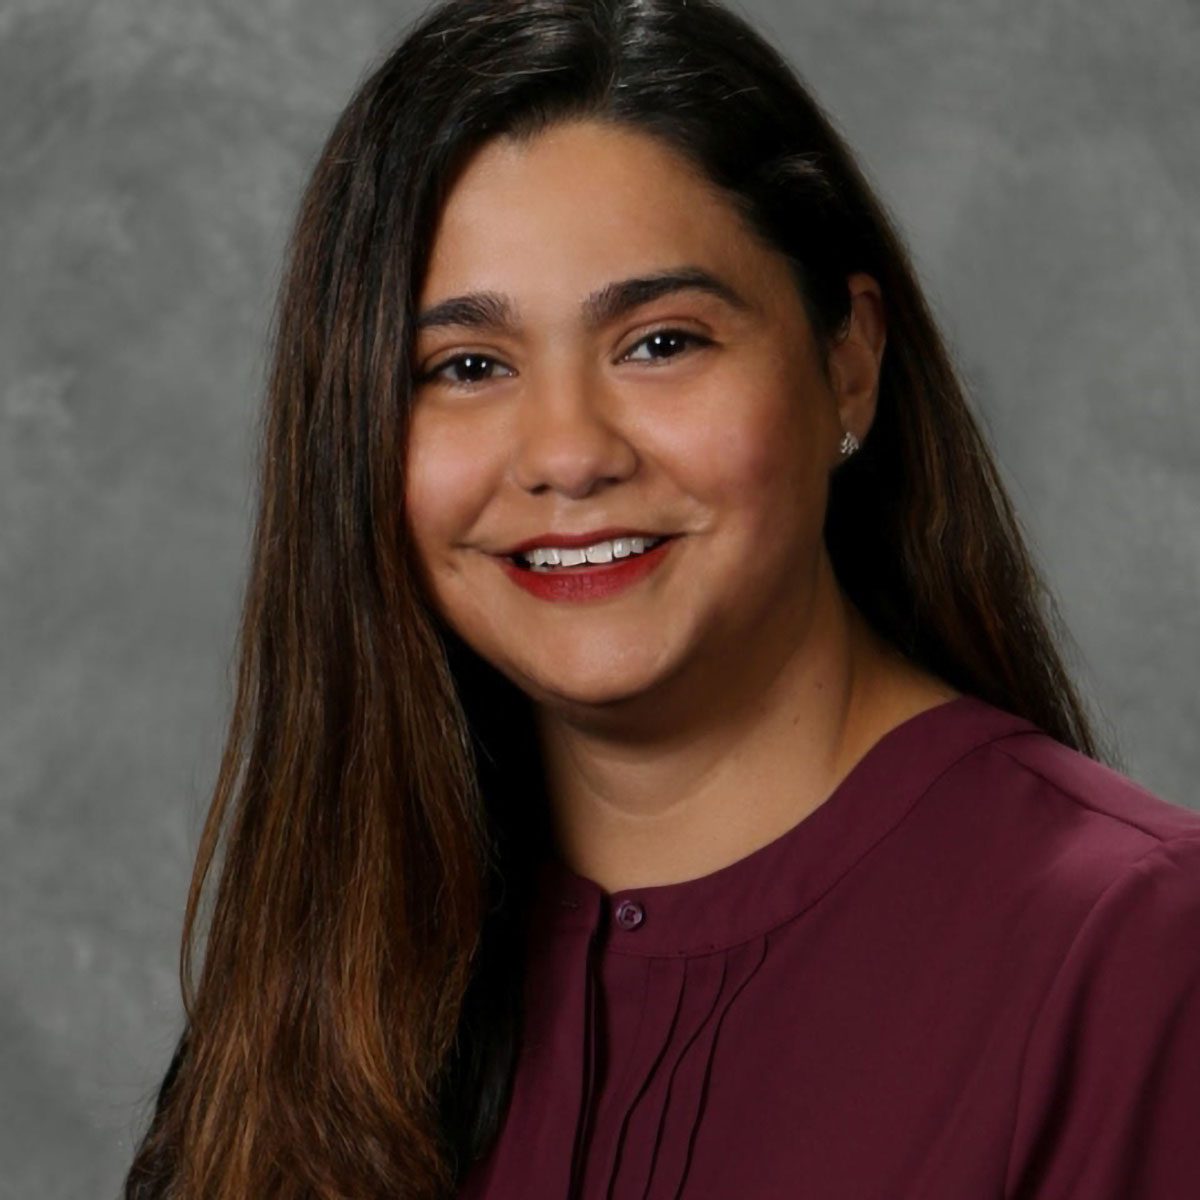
(360, 880)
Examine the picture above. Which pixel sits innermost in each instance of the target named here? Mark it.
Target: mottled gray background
(1042, 157)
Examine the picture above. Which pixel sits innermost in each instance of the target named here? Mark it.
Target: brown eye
(465, 370)
(665, 344)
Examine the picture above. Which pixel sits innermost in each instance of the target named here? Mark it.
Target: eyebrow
(491, 310)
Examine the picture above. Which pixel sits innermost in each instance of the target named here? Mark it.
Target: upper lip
(572, 540)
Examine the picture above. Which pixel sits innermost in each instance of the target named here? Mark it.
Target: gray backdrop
(1042, 158)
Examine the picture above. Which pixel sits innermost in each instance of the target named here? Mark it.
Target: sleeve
(1109, 1101)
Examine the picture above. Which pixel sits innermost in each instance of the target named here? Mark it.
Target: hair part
(352, 1031)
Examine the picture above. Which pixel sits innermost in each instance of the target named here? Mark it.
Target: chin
(589, 691)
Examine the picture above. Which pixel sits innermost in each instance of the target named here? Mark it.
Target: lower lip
(593, 582)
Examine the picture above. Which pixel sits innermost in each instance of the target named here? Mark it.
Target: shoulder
(1060, 831)
(1110, 1073)
(1097, 793)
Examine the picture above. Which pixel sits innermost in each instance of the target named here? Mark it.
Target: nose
(569, 436)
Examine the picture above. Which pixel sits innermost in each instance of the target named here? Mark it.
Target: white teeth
(600, 552)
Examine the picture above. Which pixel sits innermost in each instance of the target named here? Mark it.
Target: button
(630, 914)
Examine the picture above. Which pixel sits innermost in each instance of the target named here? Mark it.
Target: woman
(653, 772)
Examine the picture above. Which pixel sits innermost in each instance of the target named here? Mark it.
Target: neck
(683, 783)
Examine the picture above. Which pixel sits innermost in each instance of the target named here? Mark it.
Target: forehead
(580, 202)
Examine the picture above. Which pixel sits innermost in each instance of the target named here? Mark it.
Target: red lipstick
(589, 581)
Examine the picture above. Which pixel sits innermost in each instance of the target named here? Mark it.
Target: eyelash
(435, 374)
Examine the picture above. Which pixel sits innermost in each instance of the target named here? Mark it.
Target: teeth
(600, 552)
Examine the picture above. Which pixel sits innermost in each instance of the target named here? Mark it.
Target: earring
(849, 444)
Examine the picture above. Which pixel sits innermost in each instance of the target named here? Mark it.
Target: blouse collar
(782, 879)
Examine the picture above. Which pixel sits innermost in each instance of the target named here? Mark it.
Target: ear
(855, 357)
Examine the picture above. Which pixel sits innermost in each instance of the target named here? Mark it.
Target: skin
(706, 710)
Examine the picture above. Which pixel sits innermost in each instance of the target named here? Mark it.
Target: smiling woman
(653, 771)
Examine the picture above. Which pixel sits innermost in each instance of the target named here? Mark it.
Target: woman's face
(556, 396)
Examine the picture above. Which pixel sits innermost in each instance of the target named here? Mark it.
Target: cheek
(447, 479)
(756, 447)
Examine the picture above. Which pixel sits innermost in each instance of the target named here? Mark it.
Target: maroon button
(630, 914)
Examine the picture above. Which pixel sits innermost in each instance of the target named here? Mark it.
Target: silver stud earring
(849, 444)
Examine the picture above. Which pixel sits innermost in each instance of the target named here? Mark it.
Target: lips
(588, 581)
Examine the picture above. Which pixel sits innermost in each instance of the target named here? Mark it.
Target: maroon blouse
(973, 972)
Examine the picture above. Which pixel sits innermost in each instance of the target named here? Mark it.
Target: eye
(466, 370)
(665, 344)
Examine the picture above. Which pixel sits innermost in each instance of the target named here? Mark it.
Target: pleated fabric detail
(656, 1084)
